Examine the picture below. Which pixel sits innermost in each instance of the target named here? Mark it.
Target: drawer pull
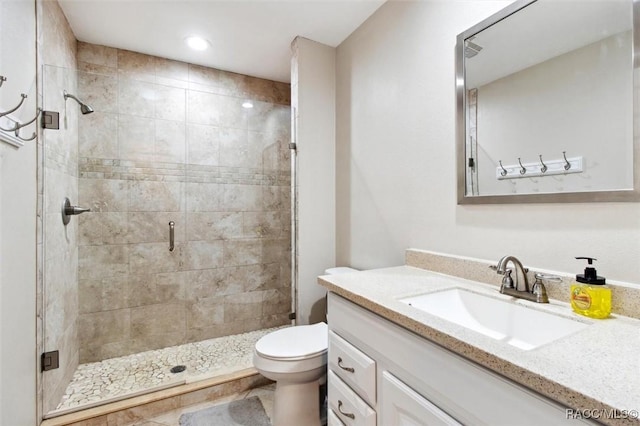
(349, 369)
(350, 415)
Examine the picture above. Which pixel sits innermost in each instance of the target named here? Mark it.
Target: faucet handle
(507, 281)
(539, 290)
(547, 277)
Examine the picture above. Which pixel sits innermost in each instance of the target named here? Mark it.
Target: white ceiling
(251, 37)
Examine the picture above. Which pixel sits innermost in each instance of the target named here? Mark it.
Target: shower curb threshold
(248, 375)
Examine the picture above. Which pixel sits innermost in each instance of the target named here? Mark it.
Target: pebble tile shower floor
(116, 378)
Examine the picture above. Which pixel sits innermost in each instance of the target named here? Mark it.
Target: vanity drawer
(332, 419)
(347, 405)
(353, 366)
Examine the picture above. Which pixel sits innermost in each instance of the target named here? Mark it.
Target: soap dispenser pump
(590, 296)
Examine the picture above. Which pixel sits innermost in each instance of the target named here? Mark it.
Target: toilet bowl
(296, 359)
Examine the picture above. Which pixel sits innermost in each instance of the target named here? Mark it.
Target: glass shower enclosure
(186, 172)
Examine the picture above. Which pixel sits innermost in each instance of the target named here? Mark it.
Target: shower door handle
(172, 225)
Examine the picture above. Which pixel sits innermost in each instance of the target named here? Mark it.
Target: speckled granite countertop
(597, 368)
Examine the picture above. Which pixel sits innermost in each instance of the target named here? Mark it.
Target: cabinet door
(402, 406)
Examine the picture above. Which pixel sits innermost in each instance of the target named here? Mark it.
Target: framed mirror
(545, 104)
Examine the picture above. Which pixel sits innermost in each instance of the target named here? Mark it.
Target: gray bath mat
(243, 412)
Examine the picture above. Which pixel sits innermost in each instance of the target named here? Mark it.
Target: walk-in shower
(166, 142)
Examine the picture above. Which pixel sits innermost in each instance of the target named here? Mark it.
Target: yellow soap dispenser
(590, 296)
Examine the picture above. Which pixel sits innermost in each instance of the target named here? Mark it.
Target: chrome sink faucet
(520, 287)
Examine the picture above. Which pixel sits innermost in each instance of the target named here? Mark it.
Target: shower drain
(178, 369)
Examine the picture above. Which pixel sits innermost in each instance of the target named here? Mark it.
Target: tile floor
(172, 418)
(117, 378)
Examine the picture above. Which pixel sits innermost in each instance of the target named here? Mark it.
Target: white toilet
(296, 359)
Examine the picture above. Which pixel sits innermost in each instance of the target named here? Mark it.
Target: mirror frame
(623, 195)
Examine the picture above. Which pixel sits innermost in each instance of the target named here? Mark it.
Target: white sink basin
(503, 320)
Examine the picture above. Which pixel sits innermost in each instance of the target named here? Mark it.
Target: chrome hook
(523, 170)
(567, 164)
(503, 172)
(2, 79)
(544, 167)
(21, 125)
(2, 114)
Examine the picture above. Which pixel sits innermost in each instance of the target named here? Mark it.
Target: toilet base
(296, 404)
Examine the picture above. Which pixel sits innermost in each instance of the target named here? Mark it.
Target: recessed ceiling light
(196, 43)
(247, 104)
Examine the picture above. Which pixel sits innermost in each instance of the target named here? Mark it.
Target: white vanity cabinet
(382, 374)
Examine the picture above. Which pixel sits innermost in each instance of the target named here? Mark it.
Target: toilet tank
(339, 270)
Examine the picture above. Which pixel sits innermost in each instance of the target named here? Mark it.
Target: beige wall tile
(148, 258)
(203, 144)
(148, 227)
(99, 91)
(203, 255)
(172, 69)
(243, 306)
(262, 224)
(96, 295)
(276, 301)
(156, 196)
(157, 319)
(241, 197)
(104, 195)
(102, 327)
(136, 138)
(102, 261)
(203, 108)
(136, 66)
(213, 225)
(97, 135)
(137, 98)
(205, 312)
(97, 55)
(242, 252)
(170, 103)
(203, 197)
(170, 141)
(213, 283)
(263, 277)
(151, 289)
(276, 250)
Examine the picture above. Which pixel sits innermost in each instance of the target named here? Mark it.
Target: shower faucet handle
(68, 210)
(74, 210)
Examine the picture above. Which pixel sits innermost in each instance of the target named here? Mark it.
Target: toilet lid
(301, 341)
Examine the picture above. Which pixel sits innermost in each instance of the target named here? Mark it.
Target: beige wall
(170, 141)
(313, 88)
(395, 154)
(18, 220)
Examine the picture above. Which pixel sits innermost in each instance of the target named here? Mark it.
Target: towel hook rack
(567, 164)
(544, 167)
(21, 125)
(503, 172)
(523, 170)
(2, 79)
(2, 114)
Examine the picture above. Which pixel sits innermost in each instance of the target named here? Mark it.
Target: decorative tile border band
(98, 168)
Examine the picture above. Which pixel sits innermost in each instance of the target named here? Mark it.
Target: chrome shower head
(84, 108)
